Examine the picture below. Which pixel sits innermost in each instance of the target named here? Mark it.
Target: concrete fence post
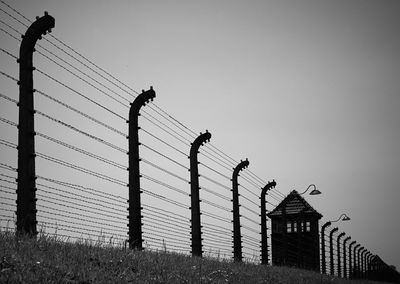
(135, 209)
(237, 237)
(197, 248)
(26, 181)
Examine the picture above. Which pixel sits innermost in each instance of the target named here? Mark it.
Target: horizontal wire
(250, 229)
(100, 140)
(8, 198)
(264, 182)
(76, 197)
(165, 156)
(270, 192)
(10, 7)
(216, 229)
(167, 233)
(79, 150)
(81, 113)
(163, 125)
(216, 237)
(215, 193)
(162, 241)
(155, 233)
(114, 210)
(78, 214)
(80, 94)
(165, 220)
(215, 171)
(83, 235)
(249, 200)
(250, 220)
(166, 131)
(170, 213)
(8, 167)
(215, 205)
(5, 120)
(75, 228)
(83, 188)
(8, 98)
(10, 177)
(98, 211)
(81, 169)
(8, 53)
(74, 223)
(9, 34)
(164, 170)
(8, 76)
(6, 191)
(216, 162)
(205, 213)
(250, 210)
(179, 204)
(226, 246)
(165, 185)
(84, 80)
(162, 141)
(8, 143)
(219, 157)
(215, 182)
(250, 238)
(164, 223)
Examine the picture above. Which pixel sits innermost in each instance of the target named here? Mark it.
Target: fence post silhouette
(323, 259)
(135, 217)
(339, 268)
(237, 238)
(194, 193)
(26, 181)
(370, 258)
(264, 235)
(355, 261)
(351, 266)
(331, 250)
(345, 257)
(363, 270)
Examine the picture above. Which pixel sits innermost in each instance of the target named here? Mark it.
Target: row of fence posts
(361, 261)
(358, 262)
(26, 188)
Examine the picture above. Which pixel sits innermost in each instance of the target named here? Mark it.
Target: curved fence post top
(200, 140)
(242, 165)
(35, 31)
(141, 100)
(327, 224)
(268, 186)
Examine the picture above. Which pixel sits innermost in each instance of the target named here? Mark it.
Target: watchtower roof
(294, 204)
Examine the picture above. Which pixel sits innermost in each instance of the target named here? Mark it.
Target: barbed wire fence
(81, 157)
(81, 150)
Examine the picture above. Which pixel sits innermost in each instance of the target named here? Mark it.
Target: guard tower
(295, 233)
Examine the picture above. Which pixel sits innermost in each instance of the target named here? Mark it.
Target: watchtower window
(289, 227)
(308, 226)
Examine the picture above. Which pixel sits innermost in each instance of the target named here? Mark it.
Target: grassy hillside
(52, 260)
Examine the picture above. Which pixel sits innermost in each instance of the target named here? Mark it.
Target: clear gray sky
(308, 91)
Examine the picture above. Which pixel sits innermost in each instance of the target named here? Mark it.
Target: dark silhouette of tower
(295, 233)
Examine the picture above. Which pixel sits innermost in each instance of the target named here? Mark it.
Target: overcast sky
(308, 91)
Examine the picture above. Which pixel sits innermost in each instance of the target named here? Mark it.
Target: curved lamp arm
(315, 191)
(345, 218)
